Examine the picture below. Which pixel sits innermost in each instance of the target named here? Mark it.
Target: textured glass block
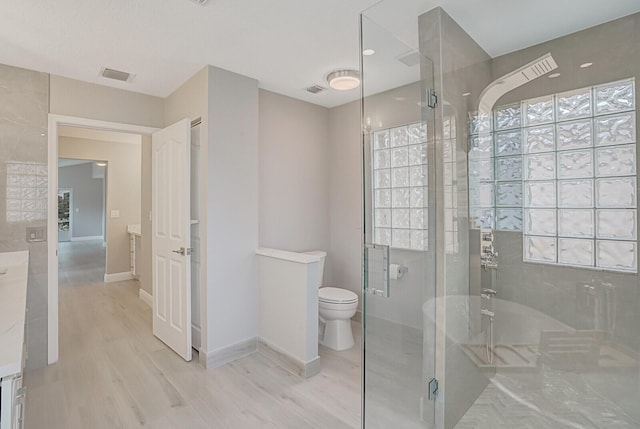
(616, 129)
(417, 133)
(574, 104)
(540, 167)
(418, 154)
(14, 192)
(381, 139)
(509, 194)
(382, 179)
(509, 219)
(400, 197)
(575, 135)
(400, 177)
(448, 127)
(616, 161)
(540, 221)
(419, 240)
(399, 157)
(418, 175)
(479, 123)
(401, 239)
(482, 218)
(509, 168)
(399, 136)
(481, 147)
(450, 221)
(508, 143)
(383, 236)
(448, 150)
(575, 193)
(400, 218)
(575, 223)
(573, 251)
(448, 173)
(616, 224)
(539, 139)
(538, 111)
(481, 195)
(619, 255)
(576, 164)
(381, 159)
(29, 181)
(418, 218)
(382, 198)
(540, 194)
(480, 170)
(507, 117)
(382, 218)
(418, 197)
(14, 205)
(614, 97)
(29, 193)
(616, 192)
(541, 249)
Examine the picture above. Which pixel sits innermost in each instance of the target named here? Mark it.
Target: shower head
(515, 79)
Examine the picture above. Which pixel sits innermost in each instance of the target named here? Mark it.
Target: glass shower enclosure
(501, 282)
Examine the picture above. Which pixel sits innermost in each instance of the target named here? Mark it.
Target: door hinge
(432, 98)
(433, 389)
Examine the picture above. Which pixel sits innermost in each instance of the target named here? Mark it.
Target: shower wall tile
(24, 105)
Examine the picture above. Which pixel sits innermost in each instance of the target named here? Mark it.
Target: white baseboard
(146, 297)
(291, 364)
(118, 277)
(94, 237)
(216, 358)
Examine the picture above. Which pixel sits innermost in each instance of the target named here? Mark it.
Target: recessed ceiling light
(466, 94)
(344, 80)
(554, 75)
(101, 164)
(585, 65)
(368, 52)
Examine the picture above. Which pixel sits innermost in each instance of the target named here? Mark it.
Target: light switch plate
(115, 214)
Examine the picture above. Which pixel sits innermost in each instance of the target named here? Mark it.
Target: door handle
(183, 251)
(376, 276)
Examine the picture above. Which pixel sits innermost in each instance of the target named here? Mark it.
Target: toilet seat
(334, 295)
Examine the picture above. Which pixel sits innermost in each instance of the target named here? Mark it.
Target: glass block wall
(399, 160)
(562, 169)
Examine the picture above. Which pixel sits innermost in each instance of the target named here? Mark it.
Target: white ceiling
(67, 162)
(285, 44)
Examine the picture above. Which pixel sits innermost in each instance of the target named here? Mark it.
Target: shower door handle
(376, 269)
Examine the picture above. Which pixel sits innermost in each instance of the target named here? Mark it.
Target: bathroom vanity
(13, 301)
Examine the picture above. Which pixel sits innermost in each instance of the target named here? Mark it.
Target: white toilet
(336, 306)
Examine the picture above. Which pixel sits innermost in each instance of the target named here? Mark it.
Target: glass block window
(563, 171)
(26, 191)
(399, 179)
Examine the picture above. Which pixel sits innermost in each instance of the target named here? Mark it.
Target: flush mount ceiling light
(344, 80)
(101, 164)
(368, 52)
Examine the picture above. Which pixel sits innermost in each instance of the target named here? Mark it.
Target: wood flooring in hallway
(113, 373)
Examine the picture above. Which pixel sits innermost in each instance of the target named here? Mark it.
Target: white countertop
(134, 230)
(13, 302)
(302, 258)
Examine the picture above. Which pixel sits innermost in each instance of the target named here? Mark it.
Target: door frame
(70, 190)
(55, 121)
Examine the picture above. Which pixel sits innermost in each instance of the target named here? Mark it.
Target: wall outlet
(115, 214)
(36, 233)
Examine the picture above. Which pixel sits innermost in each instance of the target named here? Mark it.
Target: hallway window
(399, 161)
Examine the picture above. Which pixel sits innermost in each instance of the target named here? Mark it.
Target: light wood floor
(113, 373)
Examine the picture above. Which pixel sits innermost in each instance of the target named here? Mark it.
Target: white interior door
(171, 239)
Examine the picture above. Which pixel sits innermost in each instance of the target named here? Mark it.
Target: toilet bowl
(336, 307)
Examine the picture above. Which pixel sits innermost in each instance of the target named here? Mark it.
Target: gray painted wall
(88, 199)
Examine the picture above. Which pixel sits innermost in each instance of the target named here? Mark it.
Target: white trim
(52, 216)
(88, 238)
(146, 297)
(118, 277)
(216, 358)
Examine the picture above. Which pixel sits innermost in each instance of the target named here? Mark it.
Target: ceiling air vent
(410, 59)
(116, 74)
(315, 89)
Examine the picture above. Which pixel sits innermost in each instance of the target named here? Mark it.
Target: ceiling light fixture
(101, 164)
(344, 80)
(585, 65)
(466, 94)
(368, 52)
(554, 75)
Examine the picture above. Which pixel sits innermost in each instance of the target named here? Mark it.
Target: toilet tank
(322, 255)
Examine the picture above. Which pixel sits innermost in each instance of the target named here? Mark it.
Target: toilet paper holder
(396, 271)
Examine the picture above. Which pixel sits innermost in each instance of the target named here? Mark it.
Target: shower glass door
(398, 253)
